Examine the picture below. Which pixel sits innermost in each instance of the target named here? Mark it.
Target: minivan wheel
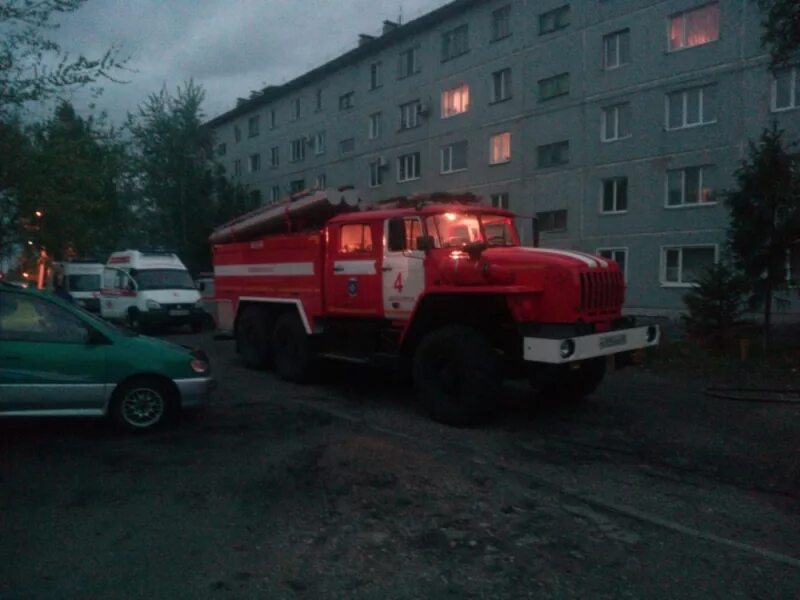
(144, 404)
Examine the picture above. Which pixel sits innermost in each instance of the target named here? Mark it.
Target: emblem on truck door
(352, 287)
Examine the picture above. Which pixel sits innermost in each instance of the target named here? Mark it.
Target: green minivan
(59, 360)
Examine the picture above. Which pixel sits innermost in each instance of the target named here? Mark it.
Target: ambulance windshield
(162, 279)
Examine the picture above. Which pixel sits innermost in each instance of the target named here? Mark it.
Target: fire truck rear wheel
(292, 347)
(252, 338)
(456, 374)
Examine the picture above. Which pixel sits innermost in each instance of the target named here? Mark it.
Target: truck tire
(253, 338)
(292, 348)
(574, 386)
(457, 376)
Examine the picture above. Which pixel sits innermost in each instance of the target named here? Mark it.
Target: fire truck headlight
(152, 305)
(567, 348)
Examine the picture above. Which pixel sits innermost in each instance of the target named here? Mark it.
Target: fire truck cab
(439, 287)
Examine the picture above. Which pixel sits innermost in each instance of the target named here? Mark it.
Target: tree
(781, 29)
(33, 67)
(765, 217)
(716, 303)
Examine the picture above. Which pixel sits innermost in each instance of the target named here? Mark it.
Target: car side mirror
(95, 338)
(425, 243)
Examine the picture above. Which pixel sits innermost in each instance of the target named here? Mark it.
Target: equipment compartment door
(403, 269)
(353, 269)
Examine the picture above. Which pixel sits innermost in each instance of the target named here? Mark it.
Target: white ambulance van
(145, 289)
(83, 280)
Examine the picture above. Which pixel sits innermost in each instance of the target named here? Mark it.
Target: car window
(31, 319)
(355, 239)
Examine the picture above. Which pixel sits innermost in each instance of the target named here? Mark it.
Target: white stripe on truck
(291, 269)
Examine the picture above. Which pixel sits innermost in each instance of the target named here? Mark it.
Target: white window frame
(701, 178)
(413, 52)
(295, 109)
(376, 75)
(617, 36)
(794, 102)
(254, 162)
(273, 118)
(684, 93)
(375, 120)
(497, 198)
(418, 163)
(320, 139)
(502, 14)
(301, 150)
(682, 15)
(612, 250)
(502, 161)
(376, 166)
(447, 158)
(347, 141)
(662, 276)
(274, 194)
(504, 77)
(616, 210)
(449, 108)
(275, 157)
(410, 113)
(321, 181)
(604, 137)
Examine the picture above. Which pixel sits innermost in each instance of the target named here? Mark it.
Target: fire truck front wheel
(456, 375)
(253, 338)
(293, 351)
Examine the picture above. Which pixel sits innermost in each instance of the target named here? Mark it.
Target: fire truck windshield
(455, 230)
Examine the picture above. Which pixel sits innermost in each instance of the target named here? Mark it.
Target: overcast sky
(230, 47)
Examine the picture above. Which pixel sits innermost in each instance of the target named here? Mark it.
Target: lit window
(275, 156)
(694, 27)
(375, 75)
(375, 126)
(347, 146)
(319, 142)
(616, 49)
(683, 266)
(786, 88)
(500, 148)
(255, 163)
(346, 101)
(552, 155)
(553, 86)
(552, 220)
(614, 197)
(410, 114)
(618, 255)
(252, 127)
(297, 150)
(500, 200)
(407, 63)
(455, 101)
(692, 107)
(355, 238)
(554, 20)
(408, 167)
(376, 173)
(501, 85)
(501, 23)
(690, 187)
(454, 157)
(615, 124)
(455, 42)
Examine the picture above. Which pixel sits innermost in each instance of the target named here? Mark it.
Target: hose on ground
(764, 395)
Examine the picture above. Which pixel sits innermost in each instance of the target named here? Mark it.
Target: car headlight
(567, 348)
(152, 305)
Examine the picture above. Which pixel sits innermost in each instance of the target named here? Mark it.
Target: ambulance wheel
(134, 321)
(456, 375)
(252, 338)
(294, 354)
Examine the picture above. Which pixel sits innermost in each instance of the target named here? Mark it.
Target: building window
(552, 155)
(375, 75)
(408, 167)
(690, 187)
(454, 157)
(786, 88)
(322, 181)
(237, 134)
(255, 163)
(275, 156)
(501, 85)
(274, 194)
(319, 99)
(222, 149)
(455, 101)
(355, 238)
(237, 167)
(297, 150)
(347, 146)
(455, 42)
(376, 173)
(694, 27)
(692, 107)
(553, 87)
(375, 125)
(252, 126)
(615, 124)
(500, 148)
(410, 114)
(501, 23)
(554, 20)
(552, 220)
(683, 266)
(793, 265)
(255, 197)
(500, 200)
(298, 185)
(346, 101)
(273, 119)
(614, 195)
(295, 109)
(618, 255)
(320, 139)
(408, 63)
(616, 49)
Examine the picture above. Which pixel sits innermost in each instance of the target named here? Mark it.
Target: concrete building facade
(619, 123)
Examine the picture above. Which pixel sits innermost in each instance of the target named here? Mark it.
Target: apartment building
(619, 123)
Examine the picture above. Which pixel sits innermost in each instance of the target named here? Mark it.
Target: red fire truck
(438, 286)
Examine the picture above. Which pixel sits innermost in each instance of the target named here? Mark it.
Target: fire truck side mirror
(397, 235)
(425, 243)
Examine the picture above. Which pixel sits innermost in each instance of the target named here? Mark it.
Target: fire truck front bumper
(563, 350)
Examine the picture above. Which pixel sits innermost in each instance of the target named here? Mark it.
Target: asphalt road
(345, 489)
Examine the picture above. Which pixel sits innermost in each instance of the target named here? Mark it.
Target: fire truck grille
(602, 291)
